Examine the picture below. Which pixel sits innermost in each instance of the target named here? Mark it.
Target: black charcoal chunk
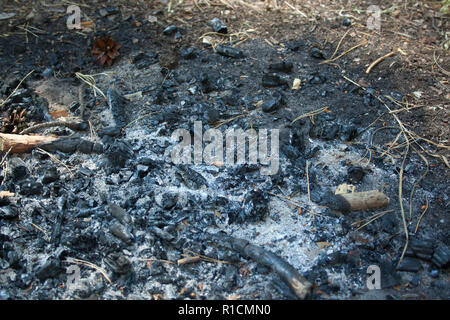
(441, 256)
(218, 25)
(229, 51)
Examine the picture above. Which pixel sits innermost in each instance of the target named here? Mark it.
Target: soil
(181, 78)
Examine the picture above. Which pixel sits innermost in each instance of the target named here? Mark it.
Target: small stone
(47, 73)
(170, 30)
(4, 295)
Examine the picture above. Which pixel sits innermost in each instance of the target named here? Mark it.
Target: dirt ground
(410, 49)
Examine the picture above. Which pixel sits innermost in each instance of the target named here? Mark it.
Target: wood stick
(357, 201)
(22, 143)
(373, 64)
(193, 259)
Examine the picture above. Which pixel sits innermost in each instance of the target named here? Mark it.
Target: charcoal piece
(142, 170)
(218, 26)
(111, 131)
(104, 12)
(117, 104)
(157, 268)
(283, 66)
(51, 175)
(56, 232)
(296, 282)
(229, 51)
(9, 213)
(118, 153)
(49, 269)
(422, 249)
(162, 234)
(255, 207)
(191, 178)
(410, 265)
(349, 132)
(355, 174)
(119, 213)
(273, 80)
(121, 232)
(118, 263)
(441, 256)
(187, 53)
(167, 200)
(316, 53)
(31, 188)
(72, 145)
(17, 169)
(389, 276)
(205, 83)
(273, 103)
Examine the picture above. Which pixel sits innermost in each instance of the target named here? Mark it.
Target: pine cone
(105, 50)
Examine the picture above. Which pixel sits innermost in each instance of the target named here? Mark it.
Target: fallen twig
(373, 64)
(300, 286)
(74, 125)
(15, 89)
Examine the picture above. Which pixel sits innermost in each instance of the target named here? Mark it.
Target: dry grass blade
(205, 258)
(15, 89)
(90, 265)
(370, 219)
(310, 114)
(309, 191)
(56, 160)
(296, 10)
(345, 52)
(437, 64)
(90, 81)
(373, 64)
(421, 216)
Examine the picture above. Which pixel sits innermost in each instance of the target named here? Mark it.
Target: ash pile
(105, 213)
